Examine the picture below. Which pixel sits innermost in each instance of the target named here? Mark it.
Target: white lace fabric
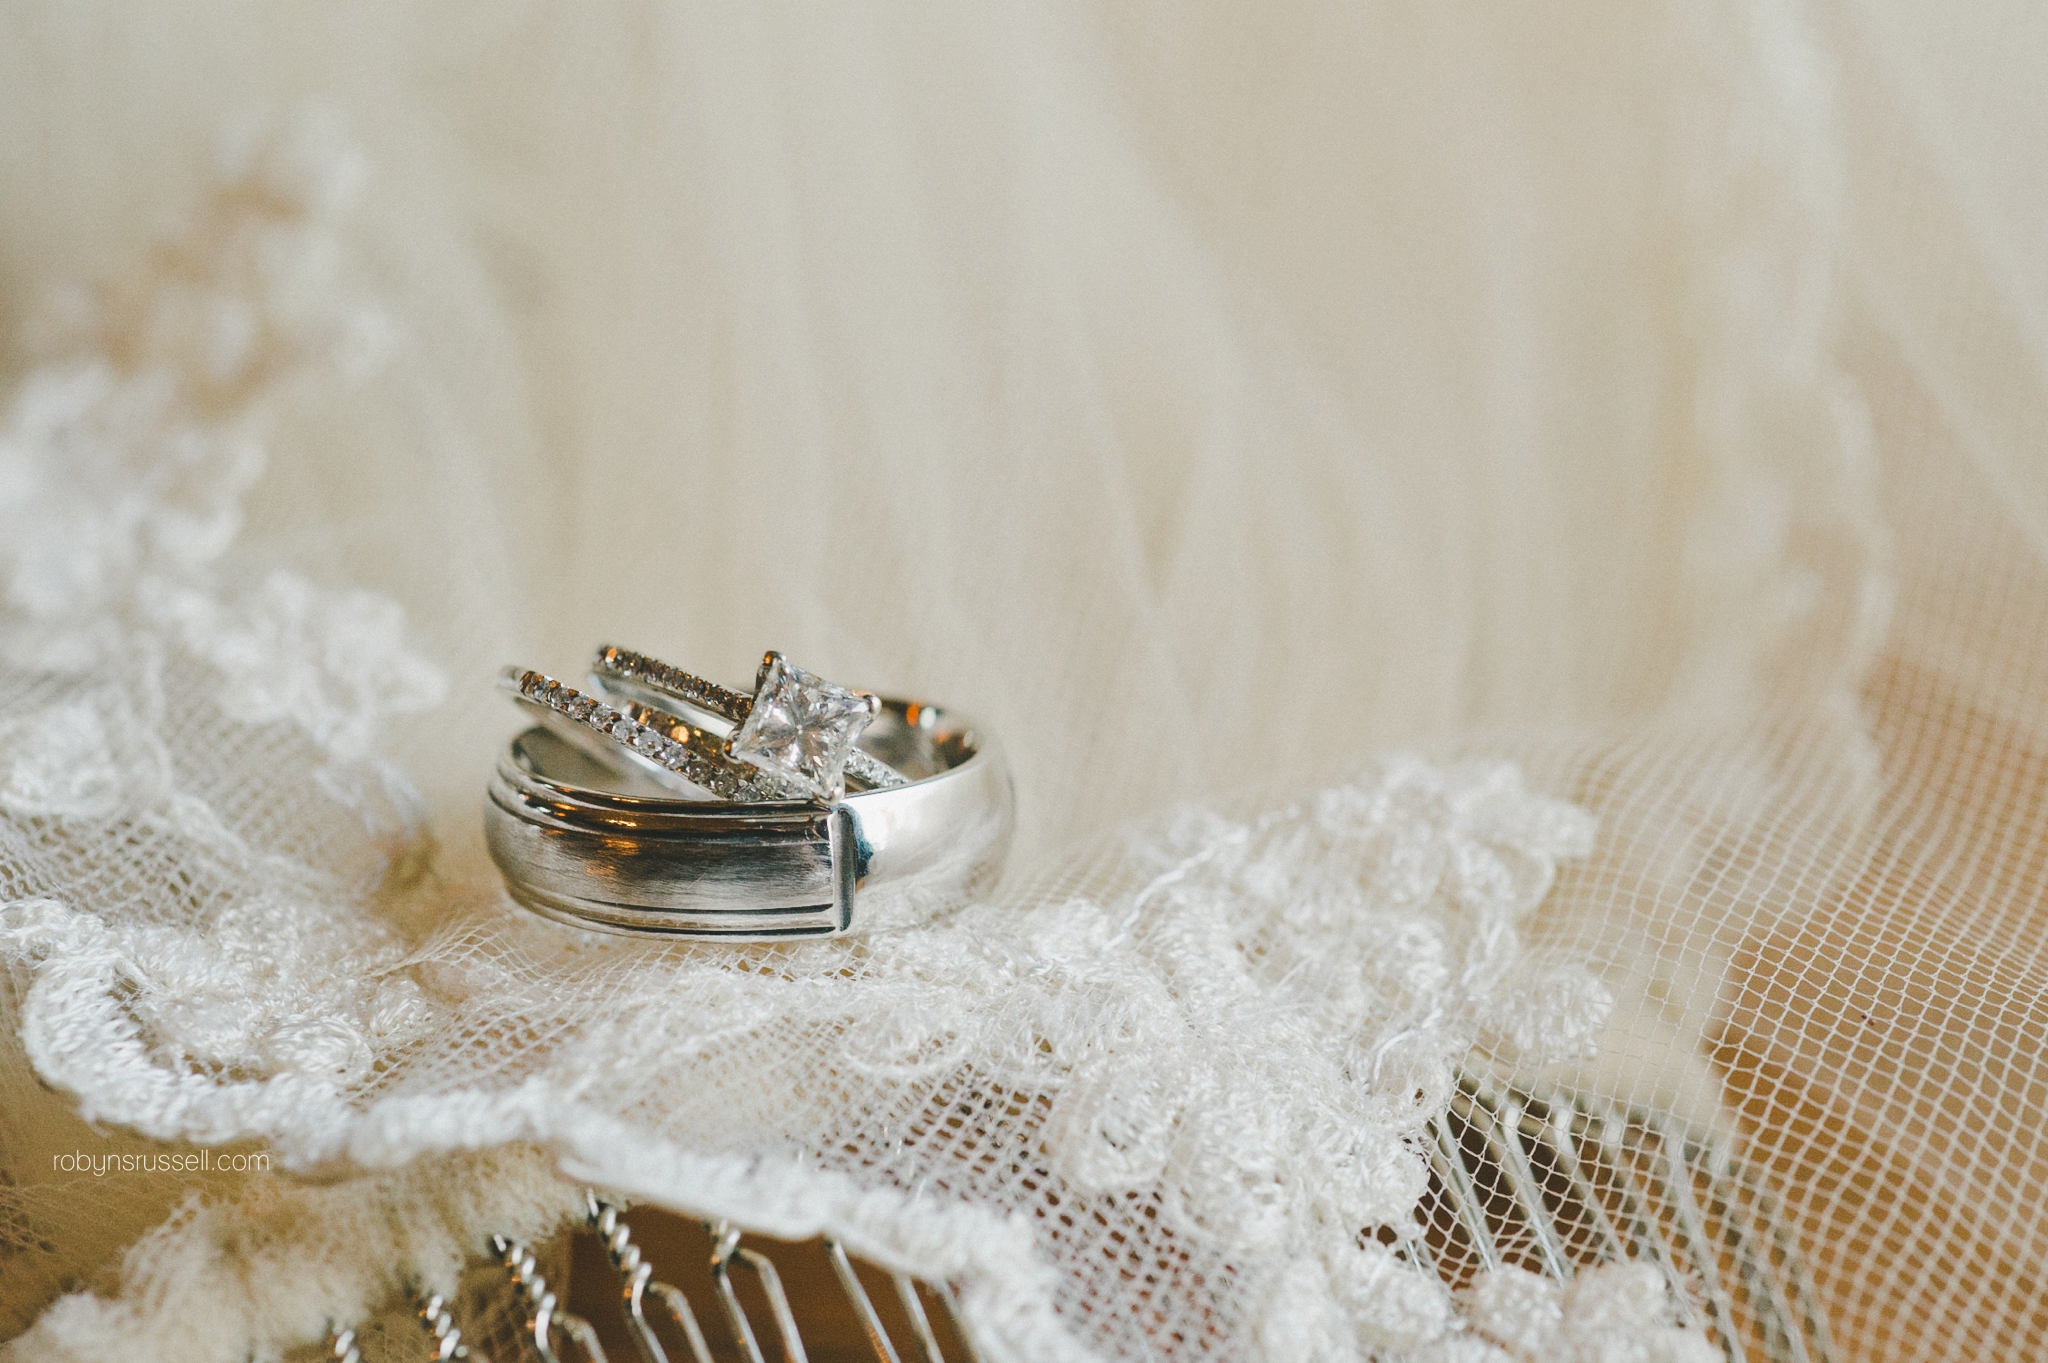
(1706, 579)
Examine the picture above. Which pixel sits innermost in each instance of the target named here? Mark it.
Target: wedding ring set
(653, 802)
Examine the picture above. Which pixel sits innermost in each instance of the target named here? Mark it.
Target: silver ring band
(585, 841)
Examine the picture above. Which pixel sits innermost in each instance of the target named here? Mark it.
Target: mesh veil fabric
(1495, 540)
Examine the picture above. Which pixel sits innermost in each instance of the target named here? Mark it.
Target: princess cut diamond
(802, 727)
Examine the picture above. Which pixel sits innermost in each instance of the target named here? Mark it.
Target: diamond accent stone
(802, 727)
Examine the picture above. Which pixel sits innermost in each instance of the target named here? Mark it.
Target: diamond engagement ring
(796, 726)
(597, 842)
(682, 753)
(793, 739)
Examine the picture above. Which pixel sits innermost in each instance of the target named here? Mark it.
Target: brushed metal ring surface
(588, 841)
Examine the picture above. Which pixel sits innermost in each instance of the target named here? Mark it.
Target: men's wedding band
(587, 839)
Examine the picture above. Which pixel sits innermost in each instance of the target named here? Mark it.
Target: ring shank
(590, 843)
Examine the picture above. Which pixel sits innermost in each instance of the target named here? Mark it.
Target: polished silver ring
(587, 839)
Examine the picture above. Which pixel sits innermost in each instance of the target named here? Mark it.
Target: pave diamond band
(797, 726)
(622, 664)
